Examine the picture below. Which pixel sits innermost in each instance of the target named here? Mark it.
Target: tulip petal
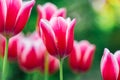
(70, 36)
(59, 26)
(109, 66)
(48, 37)
(60, 13)
(41, 13)
(88, 57)
(13, 7)
(2, 45)
(23, 16)
(3, 10)
(74, 57)
(50, 10)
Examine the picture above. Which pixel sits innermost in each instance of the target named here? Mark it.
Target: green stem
(77, 77)
(34, 76)
(5, 60)
(61, 69)
(46, 75)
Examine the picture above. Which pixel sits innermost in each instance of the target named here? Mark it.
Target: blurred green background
(101, 28)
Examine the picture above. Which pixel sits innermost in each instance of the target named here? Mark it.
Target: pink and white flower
(14, 15)
(109, 66)
(58, 35)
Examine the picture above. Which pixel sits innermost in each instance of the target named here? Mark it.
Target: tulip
(109, 66)
(81, 56)
(117, 55)
(29, 51)
(32, 53)
(12, 47)
(14, 15)
(49, 10)
(58, 35)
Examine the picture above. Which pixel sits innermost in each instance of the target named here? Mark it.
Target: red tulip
(48, 10)
(14, 15)
(12, 47)
(81, 57)
(117, 55)
(109, 66)
(58, 35)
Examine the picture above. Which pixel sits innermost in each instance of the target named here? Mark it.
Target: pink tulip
(117, 55)
(31, 54)
(58, 35)
(14, 15)
(12, 47)
(109, 66)
(81, 57)
(49, 10)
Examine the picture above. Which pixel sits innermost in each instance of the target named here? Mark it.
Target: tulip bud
(81, 57)
(58, 36)
(109, 66)
(14, 15)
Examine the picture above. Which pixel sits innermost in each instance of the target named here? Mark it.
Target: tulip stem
(5, 60)
(61, 69)
(77, 77)
(46, 75)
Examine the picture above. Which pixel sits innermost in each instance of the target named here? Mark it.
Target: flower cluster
(48, 45)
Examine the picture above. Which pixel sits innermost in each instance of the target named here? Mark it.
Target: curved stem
(46, 75)
(5, 60)
(61, 69)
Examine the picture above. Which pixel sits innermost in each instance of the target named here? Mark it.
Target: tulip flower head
(81, 56)
(58, 35)
(117, 55)
(29, 50)
(49, 10)
(109, 66)
(14, 15)
(31, 55)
